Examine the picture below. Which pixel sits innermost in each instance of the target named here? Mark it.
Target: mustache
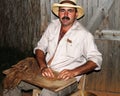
(65, 17)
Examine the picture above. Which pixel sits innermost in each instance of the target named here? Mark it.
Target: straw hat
(67, 3)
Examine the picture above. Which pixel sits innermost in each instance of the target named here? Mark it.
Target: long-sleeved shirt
(75, 48)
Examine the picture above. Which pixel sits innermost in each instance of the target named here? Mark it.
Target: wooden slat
(117, 14)
(108, 34)
(90, 9)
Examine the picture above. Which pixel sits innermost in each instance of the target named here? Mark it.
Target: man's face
(67, 15)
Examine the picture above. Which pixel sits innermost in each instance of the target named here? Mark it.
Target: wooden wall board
(108, 78)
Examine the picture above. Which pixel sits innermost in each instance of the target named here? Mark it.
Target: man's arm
(45, 71)
(87, 67)
(40, 56)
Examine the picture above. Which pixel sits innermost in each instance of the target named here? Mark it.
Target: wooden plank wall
(19, 20)
(108, 79)
(22, 22)
(29, 18)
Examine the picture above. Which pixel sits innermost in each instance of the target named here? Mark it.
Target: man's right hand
(47, 72)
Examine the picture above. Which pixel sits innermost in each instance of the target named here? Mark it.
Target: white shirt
(75, 48)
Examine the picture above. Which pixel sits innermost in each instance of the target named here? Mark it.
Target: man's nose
(66, 13)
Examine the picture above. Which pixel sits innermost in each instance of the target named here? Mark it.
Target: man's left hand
(66, 74)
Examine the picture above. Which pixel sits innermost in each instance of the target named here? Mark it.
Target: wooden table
(51, 84)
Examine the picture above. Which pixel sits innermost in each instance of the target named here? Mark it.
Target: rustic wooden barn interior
(22, 23)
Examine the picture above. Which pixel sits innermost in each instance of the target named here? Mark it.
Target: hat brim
(55, 9)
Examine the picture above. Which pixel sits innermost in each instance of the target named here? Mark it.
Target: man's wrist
(43, 68)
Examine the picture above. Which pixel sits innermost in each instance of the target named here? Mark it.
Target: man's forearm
(40, 56)
(89, 66)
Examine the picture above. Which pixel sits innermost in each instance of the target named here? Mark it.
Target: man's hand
(66, 74)
(47, 72)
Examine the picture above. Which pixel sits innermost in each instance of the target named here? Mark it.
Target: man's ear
(76, 15)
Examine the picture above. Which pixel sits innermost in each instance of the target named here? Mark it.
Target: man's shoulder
(80, 29)
(55, 21)
(79, 26)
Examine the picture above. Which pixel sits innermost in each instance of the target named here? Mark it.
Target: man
(66, 47)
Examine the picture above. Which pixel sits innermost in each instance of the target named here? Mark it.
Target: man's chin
(65, 22)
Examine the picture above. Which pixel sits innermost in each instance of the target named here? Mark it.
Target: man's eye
(70, 10)
(62, 10)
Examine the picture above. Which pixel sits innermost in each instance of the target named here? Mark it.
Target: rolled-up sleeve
(91, 51)
(43, 42)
